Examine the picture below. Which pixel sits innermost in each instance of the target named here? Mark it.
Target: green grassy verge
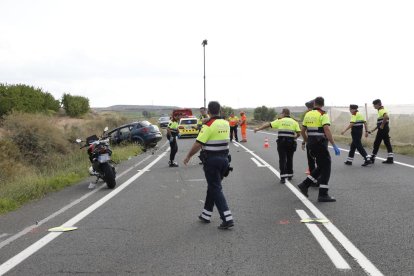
(35, 185)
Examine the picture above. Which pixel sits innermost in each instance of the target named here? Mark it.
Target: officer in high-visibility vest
(311, 159)
(383, 133)
(316, 132)
(356, 125)
(214, 140)
(288, 130)
(172, 133)
(233, 122)
(202, 118)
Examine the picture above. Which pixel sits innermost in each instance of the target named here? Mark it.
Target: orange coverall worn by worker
(243, 125)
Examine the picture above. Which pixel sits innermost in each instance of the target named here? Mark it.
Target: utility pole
(204, 50)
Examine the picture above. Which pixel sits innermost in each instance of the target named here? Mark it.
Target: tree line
(28, 99)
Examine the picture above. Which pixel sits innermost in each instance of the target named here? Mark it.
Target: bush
(10, 161)
(264, 114)
(24, 98)
(37, 139)
(75, 106)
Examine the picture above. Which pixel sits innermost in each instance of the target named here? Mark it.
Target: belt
(219, 152)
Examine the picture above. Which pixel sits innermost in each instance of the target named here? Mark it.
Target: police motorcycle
(100, 156)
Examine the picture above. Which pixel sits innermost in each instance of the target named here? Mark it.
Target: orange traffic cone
(266, 143)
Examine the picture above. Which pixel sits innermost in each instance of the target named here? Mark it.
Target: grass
(37, 184)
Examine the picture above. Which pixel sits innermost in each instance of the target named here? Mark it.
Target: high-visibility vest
(314, 121)
(381, 112)
(233, 121)
(286, 126)
(358, 120)
(173, 126)
(215, 135)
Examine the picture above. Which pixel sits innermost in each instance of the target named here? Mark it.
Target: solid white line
(346, 150)
(326, 245)
(4, 235)
(14, 261)
(363, 261)
(257, 162)
(64, 208)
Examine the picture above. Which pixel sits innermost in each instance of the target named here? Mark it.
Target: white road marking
(235, 145)
(363, 261)
(65, 208)
(346, 150)
(257, 162)
(326, 245)
(14, 261)
(4, 235)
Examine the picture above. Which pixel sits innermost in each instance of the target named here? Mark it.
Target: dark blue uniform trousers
(214, 168)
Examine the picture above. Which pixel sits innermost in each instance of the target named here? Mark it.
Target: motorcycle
(100, 156)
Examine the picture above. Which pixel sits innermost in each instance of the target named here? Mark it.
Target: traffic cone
(266, 143)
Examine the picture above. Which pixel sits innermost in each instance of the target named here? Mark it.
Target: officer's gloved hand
(336, 149)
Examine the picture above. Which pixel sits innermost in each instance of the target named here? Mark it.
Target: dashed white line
(363, 261)
(326, 245)
(14, 261)
(257, 162)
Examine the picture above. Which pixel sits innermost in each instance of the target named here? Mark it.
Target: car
(163, 121)
(143, 133)
(187, 127)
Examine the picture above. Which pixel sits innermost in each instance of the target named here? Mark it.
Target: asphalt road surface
(148, 225)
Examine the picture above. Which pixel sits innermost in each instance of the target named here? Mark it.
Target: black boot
(388, 161)
(366, 163)
(349, 163)
(303, 188)
(325, 198)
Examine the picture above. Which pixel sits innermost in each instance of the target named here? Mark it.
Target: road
(148, 225)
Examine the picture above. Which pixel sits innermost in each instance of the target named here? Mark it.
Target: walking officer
(288, 131)
(172, 133)
(356, 125)
(382, 133)
(214, 140)
(311, 159)
(316, 132)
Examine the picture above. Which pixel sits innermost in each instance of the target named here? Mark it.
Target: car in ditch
(143, 133)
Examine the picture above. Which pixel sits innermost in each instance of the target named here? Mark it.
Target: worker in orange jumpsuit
(243, 125)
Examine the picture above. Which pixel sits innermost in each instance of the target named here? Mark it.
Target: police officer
(214, 140)
(311, 159)
(383, 133)
(202, 118)
(172, 133)
(316, 132)
(356, 125)
(233, 122)
(288, 131)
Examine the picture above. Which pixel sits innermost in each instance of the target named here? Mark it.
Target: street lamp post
(204, 49)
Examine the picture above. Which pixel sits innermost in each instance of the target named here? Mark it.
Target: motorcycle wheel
(109, 176)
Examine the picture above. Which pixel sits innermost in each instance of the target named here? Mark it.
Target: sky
(272, 53)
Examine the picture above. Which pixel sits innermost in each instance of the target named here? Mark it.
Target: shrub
(75, 106)
(10, 161)
(24, 98)
(37, 139)
(264, 114)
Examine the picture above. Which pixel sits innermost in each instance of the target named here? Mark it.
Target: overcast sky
(271, 53)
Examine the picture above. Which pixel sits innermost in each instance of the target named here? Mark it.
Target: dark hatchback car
(143, 133)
